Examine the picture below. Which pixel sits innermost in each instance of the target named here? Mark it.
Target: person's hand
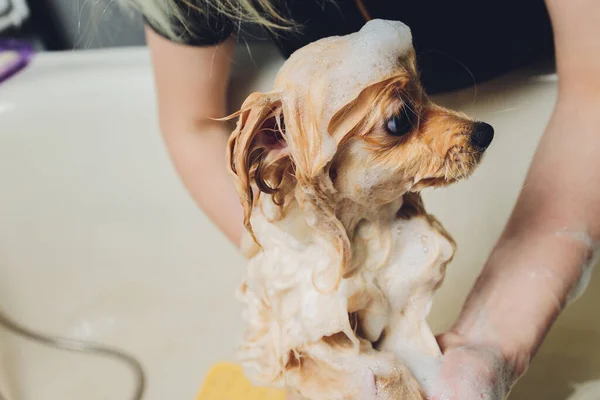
(472, 371)
(527, 281)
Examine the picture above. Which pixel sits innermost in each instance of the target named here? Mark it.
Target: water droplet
(426, 249)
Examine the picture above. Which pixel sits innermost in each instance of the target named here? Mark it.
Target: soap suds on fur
(351, 63)
(369, 331)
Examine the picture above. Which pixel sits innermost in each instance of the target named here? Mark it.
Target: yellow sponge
(226, 381)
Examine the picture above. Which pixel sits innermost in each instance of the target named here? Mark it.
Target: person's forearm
(541, 257)
(576, 26)
(544, 256)
(198, 154)
(191, 86)
(525, 285)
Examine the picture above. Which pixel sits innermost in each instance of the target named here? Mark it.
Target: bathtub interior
(100, 241)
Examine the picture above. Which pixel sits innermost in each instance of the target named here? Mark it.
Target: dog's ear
(257, 151)
(266, 158)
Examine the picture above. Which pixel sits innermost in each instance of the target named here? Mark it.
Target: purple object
(14, 56)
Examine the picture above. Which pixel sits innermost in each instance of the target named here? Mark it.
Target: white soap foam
(372, 55)
(338, 68)
(396, 296)
(586, 391)
(590, 258)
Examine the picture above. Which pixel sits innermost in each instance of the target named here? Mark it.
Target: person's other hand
(472, 371)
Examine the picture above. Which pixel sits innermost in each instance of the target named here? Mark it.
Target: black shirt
(457, 42)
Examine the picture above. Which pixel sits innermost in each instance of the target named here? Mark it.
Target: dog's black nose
(482, 135)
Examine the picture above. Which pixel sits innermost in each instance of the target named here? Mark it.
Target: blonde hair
(162, 13)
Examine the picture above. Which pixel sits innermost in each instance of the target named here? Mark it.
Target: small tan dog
(344, 260)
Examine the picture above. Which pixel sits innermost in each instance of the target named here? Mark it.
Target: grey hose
(81, 347)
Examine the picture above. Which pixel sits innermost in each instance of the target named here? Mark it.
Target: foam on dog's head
(320, 79)
(331, 72)
(372, 55)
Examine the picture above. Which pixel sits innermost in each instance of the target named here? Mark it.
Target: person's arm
(550, 238)
(191, 85)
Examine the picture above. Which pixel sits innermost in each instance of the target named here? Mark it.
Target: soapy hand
(508, 314)
(471, 371)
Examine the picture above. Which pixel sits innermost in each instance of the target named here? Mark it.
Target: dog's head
(349, 120)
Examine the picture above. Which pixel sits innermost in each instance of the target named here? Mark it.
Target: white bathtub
(100, 241)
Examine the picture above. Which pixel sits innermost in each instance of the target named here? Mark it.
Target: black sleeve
(197, 28)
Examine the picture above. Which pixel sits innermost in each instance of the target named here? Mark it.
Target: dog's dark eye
(401, 123)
